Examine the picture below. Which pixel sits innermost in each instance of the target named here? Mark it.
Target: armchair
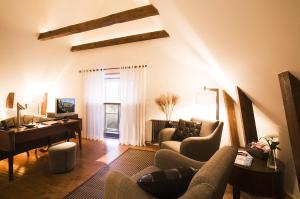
(198, 148)
(208, 183)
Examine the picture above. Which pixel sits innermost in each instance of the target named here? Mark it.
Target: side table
(258, 179)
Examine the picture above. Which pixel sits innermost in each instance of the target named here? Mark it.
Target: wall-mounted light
(10, 100)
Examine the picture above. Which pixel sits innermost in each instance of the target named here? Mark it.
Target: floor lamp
(205, 98)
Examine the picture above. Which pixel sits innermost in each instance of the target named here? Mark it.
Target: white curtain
(93, 107)
(132, 97)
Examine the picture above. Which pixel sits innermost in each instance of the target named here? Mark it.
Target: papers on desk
(243, 158)
(51, 122)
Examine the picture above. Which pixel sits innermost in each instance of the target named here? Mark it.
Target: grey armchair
(208, 183)
(198, 148)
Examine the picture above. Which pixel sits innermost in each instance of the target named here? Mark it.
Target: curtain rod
(113, 68)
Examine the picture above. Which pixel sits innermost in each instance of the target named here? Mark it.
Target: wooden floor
(33, 179)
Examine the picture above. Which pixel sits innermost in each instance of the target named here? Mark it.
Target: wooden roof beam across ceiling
(121, 17)
(122, 40)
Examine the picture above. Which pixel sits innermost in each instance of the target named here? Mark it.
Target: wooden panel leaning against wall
(229, 104)
(290, 90)
(247, 115)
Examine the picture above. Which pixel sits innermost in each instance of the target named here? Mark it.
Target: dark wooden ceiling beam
(121, 17)
(121, 40)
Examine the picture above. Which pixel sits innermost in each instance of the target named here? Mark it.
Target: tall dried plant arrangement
(166, 103)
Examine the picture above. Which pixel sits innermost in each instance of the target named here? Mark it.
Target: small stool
(62, 157)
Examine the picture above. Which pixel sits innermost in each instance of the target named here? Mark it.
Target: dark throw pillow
(186, 129)
(169, 183)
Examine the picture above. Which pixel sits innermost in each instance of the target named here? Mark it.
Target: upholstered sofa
(208, 183)
(25, 119)
(198, 148)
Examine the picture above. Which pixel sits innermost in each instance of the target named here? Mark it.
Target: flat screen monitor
(65, 105)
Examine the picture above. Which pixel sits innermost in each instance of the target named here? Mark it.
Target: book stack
(243, 158)
(258, 149)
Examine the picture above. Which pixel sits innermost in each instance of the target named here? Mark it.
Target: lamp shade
(206, 97)
(209, 96)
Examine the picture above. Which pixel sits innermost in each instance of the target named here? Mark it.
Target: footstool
(62, 157)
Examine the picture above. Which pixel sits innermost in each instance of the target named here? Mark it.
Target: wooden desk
(19, 140)
(258, 179)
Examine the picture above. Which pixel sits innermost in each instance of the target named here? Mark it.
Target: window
(112, 88)
(112, 105)
(112, 115)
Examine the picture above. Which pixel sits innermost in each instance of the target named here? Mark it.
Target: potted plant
(273, 144)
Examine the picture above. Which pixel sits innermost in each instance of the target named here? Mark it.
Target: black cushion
(186, 129)
(169, 183)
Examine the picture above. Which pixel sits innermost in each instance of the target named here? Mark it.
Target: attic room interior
(150, 99)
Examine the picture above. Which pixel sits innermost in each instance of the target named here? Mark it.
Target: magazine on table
(243, 158)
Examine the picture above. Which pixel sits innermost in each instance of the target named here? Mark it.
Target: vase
(271, 163)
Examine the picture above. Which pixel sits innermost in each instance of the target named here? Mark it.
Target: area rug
(130, 162)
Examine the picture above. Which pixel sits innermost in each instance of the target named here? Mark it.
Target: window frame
(119, 110)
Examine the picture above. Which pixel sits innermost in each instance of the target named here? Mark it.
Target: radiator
(158, 125)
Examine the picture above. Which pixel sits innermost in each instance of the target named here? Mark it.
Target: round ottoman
(62, 157)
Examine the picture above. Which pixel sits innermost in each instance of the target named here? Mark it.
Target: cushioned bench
(62, 157)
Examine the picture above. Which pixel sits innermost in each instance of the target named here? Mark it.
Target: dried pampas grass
(166, 103)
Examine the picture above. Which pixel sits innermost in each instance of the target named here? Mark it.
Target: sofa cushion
(149, 169)
(169, 183)
(207, 126)
(186, 129)
(172, 145)
(24, 119)
(10, 122)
